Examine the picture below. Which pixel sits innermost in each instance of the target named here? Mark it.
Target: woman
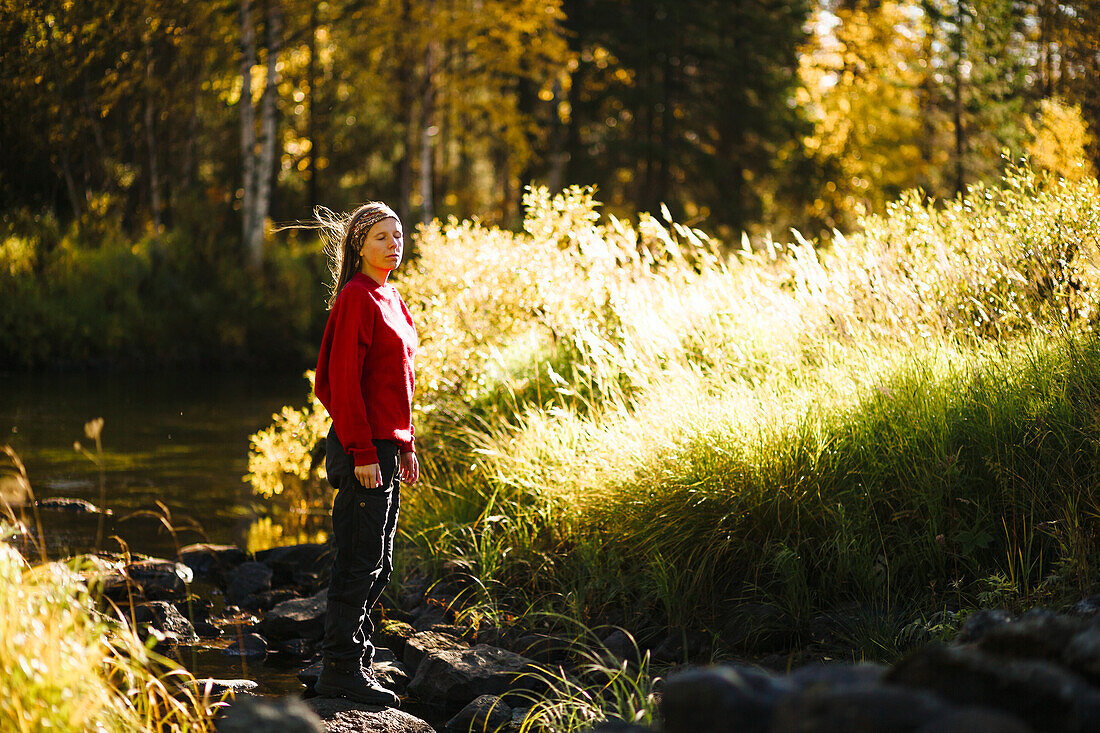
(365, 380)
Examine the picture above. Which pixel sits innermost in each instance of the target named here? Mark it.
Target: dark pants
(364, 522)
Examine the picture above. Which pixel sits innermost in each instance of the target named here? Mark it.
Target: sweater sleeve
(347, 338)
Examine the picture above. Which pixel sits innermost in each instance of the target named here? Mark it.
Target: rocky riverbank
(1037, 672)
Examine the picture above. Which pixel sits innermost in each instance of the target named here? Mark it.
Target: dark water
(179, 437)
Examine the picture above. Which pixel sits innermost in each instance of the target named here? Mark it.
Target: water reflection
(179, 438)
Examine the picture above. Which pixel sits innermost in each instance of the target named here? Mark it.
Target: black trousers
(364, 521)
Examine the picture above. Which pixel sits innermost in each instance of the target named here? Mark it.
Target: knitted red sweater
(365, 368)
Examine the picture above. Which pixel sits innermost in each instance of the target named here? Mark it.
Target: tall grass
(67, 666)
(630, 422)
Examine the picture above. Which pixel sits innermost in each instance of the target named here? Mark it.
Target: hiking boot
(348, 679)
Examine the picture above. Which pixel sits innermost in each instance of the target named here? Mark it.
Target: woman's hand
(409, 470)
(370, 476)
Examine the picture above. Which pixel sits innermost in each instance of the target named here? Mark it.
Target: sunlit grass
(69, 668)
(631, 421)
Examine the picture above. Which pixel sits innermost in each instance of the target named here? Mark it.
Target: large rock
(882, 709)
(460, 675)
(974, 720)
(250, 646)
(246, 579)
(160, 579)
(212, 561)
(486, 714)
(1038, 634)
(306, 565)
(263, 715)
(341, 715)
(423, 643)
(393, 635)
(301, 618)
(980, 623)
(1046, 697)
(837, 676)
(167, 619)
(720, 699)
(214, 687)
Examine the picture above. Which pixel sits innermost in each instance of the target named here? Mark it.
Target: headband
(368, 220)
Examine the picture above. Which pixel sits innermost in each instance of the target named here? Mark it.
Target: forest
(153, 147)
(757, 348)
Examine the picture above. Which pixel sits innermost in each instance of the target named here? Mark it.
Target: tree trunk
(427, 132)
(269, 129)
(311, 123)
(406, 102)
(248, 128)
(151, 139)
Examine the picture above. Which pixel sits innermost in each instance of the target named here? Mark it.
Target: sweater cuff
(364, 456)
(407, 447)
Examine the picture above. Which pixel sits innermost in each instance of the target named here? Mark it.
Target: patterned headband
(370, 219)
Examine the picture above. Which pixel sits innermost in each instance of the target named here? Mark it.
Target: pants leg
(364, 522)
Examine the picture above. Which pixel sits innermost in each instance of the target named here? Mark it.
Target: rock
(429, 615)
(422, 643)
(310, 674)
(214, 687)
(70, 504)
(115, 586)
(487, 713)
(518, 716)
(1038, 634)
(760, 628)
(248, 646)
(721, 698)
(212, 561)
(1087, 607)
(412, 592)
(297, 648)
(392, 675)
(393, 635)
(621, 645)
(460, 675)
(264, 715)
(1044, 696)
(541, 648)
(341, 715)
(246, 579)
(974, 720)
(293, 564)
(1082, 653)
(164, 617)
(300, 618)
(837, 676)
(979, 623)
(160, 579)
(882, 709)
(680, 646)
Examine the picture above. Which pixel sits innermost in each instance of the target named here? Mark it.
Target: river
(178, 437)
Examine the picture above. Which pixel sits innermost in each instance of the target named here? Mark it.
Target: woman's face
(381, 249)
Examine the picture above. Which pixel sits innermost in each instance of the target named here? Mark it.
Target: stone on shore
(721, 698)
(249, 714)
(161, 580)
(212, 561)
(1046, 697)
(881, 709)
(215, 687)
(299, 618)
(423, 643)
(246, 579)
(340, 715)
(393, 635)
(461, 675)
(249, 646)
(167, 619)
(487, 713)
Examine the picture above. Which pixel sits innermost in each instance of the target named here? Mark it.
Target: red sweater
(365, 368)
